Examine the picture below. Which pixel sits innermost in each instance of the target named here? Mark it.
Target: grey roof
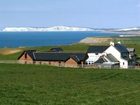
(97, 49)
(121, 48)
(55, 56)
(59, 56)
(76, 58)
(111, 58)
(101, 60)
(29, 52)
(131, 49)
(56, 49)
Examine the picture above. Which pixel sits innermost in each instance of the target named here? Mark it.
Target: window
(49, 63)
(125, 55)
(90, 62)
(25, 55)
(123, 63)
(96, 53)
(59, 63)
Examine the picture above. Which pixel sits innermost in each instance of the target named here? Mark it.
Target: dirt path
(8, 51)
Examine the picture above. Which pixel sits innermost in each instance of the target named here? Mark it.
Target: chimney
(112, 43)
(119, 42)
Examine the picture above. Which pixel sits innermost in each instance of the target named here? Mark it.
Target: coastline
(95, 40)
(17, 39)
(106, 40)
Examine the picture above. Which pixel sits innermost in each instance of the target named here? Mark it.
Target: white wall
(92, 57)
(123, 64)
(112, 50)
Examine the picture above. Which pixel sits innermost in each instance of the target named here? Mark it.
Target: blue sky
(84, 13)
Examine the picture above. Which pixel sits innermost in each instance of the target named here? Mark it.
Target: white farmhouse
(109, 56)
(120, 52)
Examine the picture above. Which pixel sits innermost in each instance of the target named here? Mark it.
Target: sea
(30, 39)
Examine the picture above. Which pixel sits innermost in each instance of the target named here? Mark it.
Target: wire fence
(79, 66)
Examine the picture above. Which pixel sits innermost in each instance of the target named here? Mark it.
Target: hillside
(44, 85)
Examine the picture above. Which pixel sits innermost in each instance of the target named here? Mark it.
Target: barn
(53, 58)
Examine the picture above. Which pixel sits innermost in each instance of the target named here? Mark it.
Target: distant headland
(124, 32)
(45, 29)
(69, 28)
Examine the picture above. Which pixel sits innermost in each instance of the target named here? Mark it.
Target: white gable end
(112, 50)
(92, 57)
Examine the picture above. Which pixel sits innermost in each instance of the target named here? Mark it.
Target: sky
(82, 13)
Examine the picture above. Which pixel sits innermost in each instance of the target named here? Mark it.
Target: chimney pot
(119, 42)
(112, 43)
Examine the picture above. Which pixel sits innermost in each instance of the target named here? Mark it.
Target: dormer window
(125, 55)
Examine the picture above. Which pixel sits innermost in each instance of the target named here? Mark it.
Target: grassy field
(45, 85)
(128, 40)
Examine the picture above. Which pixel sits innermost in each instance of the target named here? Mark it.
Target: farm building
(53, 58)
(56, 50)
(112, 56)
(115, 55)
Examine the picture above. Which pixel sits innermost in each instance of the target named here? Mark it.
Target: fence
(79, 66)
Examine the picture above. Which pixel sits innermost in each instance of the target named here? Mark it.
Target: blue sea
(22, 39)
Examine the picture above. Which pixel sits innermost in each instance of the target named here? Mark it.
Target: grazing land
(46, 85)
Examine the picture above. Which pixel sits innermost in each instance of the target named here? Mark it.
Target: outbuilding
(53, 58)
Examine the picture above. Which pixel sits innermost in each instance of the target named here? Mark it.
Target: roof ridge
(75, 57)
(62, 52)
(34, 55)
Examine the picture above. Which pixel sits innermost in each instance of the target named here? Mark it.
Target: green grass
(10, 57)
(45, 85)
(136, 46)
(128, 40)
(66, 48)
